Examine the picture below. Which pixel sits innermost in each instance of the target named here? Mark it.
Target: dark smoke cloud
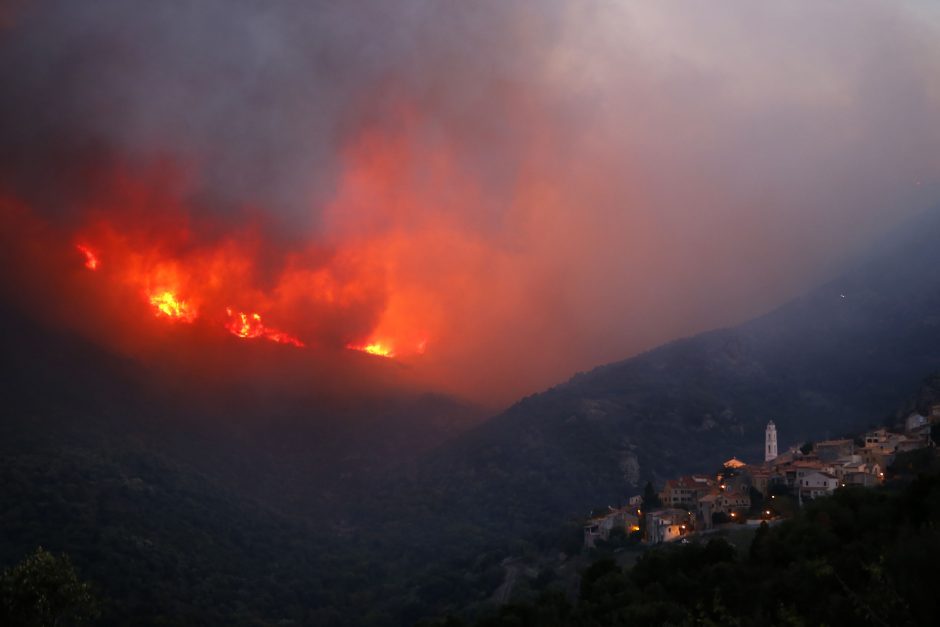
(259, 96)
(615, 174)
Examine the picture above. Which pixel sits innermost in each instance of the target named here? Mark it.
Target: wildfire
(248, 326)
(191, 270)
(244, 325)
(91, 259)
(168, 304)
(376, 348)
(387, 349)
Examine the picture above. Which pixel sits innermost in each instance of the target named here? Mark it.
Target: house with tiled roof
(686, 491)
(817, 484)
(797, 470)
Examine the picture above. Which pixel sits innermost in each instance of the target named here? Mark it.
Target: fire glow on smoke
(168, 304)
(91, 260)
(142, 243)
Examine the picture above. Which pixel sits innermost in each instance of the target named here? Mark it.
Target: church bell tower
(770, 442)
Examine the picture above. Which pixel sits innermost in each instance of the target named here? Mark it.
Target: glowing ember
(249, 326)
(376, 348)
(244, 325)
(91, 259)
(381, 348)
(167, 304)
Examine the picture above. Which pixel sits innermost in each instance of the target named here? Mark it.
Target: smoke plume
(495, 194)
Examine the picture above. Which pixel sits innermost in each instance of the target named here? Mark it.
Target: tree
(807, 448)
(651, 499)
(757, 499)
(720, 518)
(44, 591)
(596, 571)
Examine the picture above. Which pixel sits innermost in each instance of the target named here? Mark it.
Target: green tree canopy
(651, 498)
(44, 591)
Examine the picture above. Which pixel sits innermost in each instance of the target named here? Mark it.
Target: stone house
(686, 491)
(733, 503)
(599, 527)
(668, 525)
(818, 484)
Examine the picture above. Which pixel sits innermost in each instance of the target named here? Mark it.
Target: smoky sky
(552, 185)
(260, 96)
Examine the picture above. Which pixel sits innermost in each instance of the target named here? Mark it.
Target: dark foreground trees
(44, 591)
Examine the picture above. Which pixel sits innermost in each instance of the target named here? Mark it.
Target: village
(751, 494)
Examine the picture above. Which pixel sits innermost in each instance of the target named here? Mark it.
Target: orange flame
(91, 259)
(375, 348)
(168, 304)
(381, 348)
(348, 289)
(248, 326)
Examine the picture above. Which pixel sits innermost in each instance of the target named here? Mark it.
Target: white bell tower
(770, 442)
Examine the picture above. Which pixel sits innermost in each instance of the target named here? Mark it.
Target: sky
(494, 194)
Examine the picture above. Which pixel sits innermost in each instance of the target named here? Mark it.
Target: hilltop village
(749, 494)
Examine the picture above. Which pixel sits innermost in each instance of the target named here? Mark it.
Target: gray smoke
(640, 170)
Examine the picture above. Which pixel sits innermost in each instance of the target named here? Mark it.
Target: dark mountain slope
(293, 449)
(832, 362)
(160, 543)
(203, 511)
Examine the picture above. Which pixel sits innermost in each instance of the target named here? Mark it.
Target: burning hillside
(147, 255)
